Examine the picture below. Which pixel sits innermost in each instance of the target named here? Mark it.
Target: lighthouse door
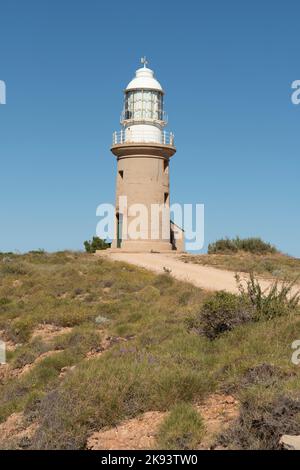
(119, 229)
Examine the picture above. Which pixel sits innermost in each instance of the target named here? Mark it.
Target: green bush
(223, 312)
(224, 245)
(95, 244)
(275, 302)
(252, 245)
(183, 429)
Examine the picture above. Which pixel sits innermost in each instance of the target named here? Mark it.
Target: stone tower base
(143, 246)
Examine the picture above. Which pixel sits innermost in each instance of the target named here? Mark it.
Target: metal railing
(124, 137)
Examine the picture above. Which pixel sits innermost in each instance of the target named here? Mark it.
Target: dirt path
(201, 276)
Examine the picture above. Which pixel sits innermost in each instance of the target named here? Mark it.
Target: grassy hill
(92, 343)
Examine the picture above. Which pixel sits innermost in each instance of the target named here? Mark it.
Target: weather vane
(144, 61)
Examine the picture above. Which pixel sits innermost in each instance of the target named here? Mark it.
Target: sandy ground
(218, 412)
(201, 276)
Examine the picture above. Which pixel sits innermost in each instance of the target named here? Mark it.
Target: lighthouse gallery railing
(123, 137)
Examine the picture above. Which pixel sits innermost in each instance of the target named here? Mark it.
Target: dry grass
(272, 266)
(152, 361)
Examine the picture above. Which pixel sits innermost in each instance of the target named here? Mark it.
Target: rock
(100, 320)
(65, 370)
(290, 442)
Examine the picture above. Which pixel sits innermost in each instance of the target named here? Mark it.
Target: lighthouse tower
(143, 150)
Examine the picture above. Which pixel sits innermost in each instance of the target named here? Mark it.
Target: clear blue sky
(227, 68)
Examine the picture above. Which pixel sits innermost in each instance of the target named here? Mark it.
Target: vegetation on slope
(233, 245)
(276, 266)
(183, 429)
(153, 358)
(224, 311)
(91, 246)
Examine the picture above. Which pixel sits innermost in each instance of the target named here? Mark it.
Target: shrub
(20, 328)
(163, 281)
(223, 245)
(275, 302)
(148, 294)
(28, 353)
(183, 429)
(267, 375)
(260, 426)
(15, 268)
(95, 244)
(223, 312)
(252, 245)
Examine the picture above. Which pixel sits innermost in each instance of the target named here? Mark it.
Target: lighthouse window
(143, 105)
(166, 198)
(121, 173)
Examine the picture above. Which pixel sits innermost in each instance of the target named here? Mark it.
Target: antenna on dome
(144, 61)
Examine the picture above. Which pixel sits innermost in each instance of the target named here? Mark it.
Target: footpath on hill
(201, 276)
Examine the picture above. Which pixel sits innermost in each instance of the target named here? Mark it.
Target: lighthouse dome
(144, 79)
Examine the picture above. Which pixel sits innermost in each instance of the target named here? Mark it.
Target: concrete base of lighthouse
(143, 246)
(143, 177)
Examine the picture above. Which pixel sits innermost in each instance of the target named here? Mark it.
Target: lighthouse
(143, 149)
